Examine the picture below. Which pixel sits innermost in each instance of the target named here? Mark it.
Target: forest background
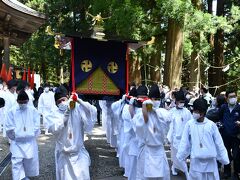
(196, 42)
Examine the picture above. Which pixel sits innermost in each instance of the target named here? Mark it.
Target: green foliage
(128, 20)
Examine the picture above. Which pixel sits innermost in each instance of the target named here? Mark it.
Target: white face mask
(63, 106)
(22, 106)
(180, 105)
(232, 101)
(196, 116)
(156, 104)
(46, 89)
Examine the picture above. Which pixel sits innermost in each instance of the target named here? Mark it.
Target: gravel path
(104, 163)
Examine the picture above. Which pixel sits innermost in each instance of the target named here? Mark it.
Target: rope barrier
(216, 67)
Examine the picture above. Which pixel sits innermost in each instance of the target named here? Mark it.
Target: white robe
(130, 147)
(2, 112)
(71, 158)
(108, 122)
(46, 103)
(118, 128)
(10, 102)
(204, 144)
(179, 118)
(127, 159)
(23, 127)
(30, 96)
(153, 162)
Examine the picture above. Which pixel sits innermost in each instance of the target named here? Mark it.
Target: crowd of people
(203, 129)
(63, 115)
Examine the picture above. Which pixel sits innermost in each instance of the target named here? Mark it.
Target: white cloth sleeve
(10, 125)
(54, 122)
(184, 148)
(139, 125)
(40, 104)
(222, 154)
(36, 120)
(11, 134)
(88, 114)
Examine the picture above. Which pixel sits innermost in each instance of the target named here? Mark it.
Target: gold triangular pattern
(98, 83)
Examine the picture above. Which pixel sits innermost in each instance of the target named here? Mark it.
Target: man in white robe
(2, 114)
(123, 117)
(2, 110)
(152, 126)
(24, 85)
(10, 99)
(179, 117)
(46, 103)
(117, 108)
(29, 92)
(23, 128)
(108, 122)
(68, 124)
(138, 142)
(202, 141)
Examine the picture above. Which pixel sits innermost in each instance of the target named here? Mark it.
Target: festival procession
(119, 90)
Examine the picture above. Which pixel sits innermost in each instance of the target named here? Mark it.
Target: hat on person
(22, 96)
(179, 96)
(133, 92)
(154, 91)
(21, 85)
(142, 90)
(46, 85)
(60, 92)
(200, 105)
(11, 83)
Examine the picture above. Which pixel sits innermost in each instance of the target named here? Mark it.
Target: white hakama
(71, 157)
(155, 164)
(179, 118)
(203, 142)
(23, 128)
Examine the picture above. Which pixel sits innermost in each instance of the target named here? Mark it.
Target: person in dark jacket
(229, 115)
(213, 113)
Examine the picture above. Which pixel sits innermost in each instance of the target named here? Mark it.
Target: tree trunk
(135, 71)
(174, 55)
(155, 67)
(195, 68)
(210, 54)
(218, 74)
(43, 69)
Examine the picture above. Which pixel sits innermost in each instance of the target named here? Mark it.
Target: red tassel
(29, 75)
(9, 75)
(4, 72)
(74, 97)
(24, 75)
(32, 80)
